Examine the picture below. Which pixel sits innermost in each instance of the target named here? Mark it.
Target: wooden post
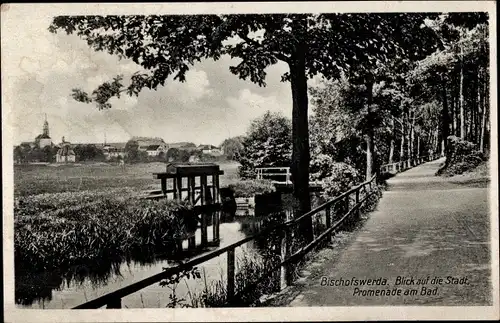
(179, 188)
(203, 185)
(174, 186)
(204, 231)
(214, 189)
(286, 271)
(217, 189)
(179, 246)
(328, 220)
(164, 186)
(192, 242)
(328, 217)
(191, 190)
(230, 274)
(115, 303)
(216, 226)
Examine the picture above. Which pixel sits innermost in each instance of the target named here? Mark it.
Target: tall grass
(250, 285)
(103, 230)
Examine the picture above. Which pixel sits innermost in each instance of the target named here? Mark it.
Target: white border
(13, 314)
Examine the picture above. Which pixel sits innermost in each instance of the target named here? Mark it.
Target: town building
(155, 150)
(145, 142)
(114, 150)
(182, 145)
(65, 154)
(210, 150)
(43, 140)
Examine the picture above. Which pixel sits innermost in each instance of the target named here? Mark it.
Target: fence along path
(344, 207)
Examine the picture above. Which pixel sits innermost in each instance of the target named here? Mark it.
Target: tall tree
(232, 147)
(268, 143)
(309, 44)
(132, 151)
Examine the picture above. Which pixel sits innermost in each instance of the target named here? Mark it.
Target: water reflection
(58, 290)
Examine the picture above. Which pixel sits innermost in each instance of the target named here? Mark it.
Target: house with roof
(210, 150)
(182, 145)
(155, 150)
(145, 142)
(65, 154)
(114, 150)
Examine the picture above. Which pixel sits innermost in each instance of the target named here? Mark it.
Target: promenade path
(424, 226)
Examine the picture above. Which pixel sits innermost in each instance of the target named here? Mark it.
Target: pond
(52, 291)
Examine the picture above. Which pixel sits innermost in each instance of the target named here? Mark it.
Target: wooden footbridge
(199, 185)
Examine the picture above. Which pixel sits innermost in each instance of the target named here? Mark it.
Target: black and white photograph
(250, 161)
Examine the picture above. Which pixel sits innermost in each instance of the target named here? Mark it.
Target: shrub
(461, 156)
(320, 167)
(343, 177)
(249, 188)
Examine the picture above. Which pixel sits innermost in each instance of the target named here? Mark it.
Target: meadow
(38, 179)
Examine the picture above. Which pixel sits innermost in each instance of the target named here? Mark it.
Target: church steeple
(46, 128)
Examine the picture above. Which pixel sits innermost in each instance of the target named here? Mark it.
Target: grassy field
(38, 179)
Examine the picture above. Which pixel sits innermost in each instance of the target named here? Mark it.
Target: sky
(210, 106)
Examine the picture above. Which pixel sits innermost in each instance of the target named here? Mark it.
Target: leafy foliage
(88, 152)
(462, 156)
(249, 188)
(268, 143)
(343, 177)
(233, 147)
(168, 45)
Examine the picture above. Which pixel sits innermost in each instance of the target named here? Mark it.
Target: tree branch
(254, 43)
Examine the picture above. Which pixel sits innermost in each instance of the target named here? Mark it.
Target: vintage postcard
(267, 161)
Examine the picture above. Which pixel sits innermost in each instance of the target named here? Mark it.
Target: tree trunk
(418, 146)
(391, 148)
(300, 137)
(435, 148)
(402, 148)
(483, 129)
(454, 117)
(370, 133)
(462, 116)
(482, 103)
(411, 146)
(445, 122)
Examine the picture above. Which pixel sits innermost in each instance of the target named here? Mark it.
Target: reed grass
(88, 230)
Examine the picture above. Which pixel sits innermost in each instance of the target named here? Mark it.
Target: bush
(249, 188)
(320, 167)
(343, 177)
(462, 156)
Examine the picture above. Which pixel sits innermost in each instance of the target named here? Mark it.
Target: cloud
(196, 87)
(248, 106)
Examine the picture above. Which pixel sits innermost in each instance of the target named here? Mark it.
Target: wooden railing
(273, 172)
(332, 215)
(406, 164)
